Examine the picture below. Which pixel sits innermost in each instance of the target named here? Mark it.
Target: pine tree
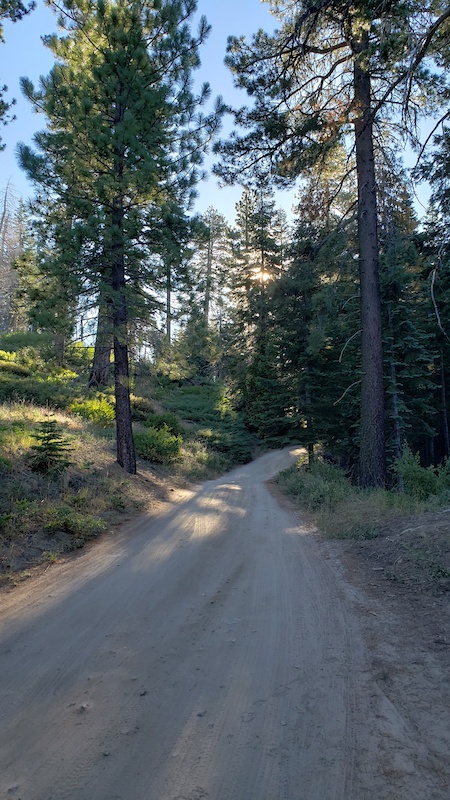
(408, 350)
(49, 454)
(124, 134)
(333, 68)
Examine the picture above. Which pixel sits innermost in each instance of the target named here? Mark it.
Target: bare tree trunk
(168, 304)
(396, 418)
(444, 411)
(124, 433)
(100, 374)
(372, 469)
(59, 347)
(309, 423)
(208, 285)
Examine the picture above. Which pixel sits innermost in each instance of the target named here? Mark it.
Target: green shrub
(316, 486)
(200, 463)
(5, 355)
(236, 442)
(21, 340)
(168, 420)
(158, 444)
(141, 408)
(419, 482)
(32, 358)
(33, 390)
(79, 356)
(60, 517)
(97, 410)
(8, 365)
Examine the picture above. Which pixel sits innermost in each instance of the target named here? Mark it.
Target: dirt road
(212, 651)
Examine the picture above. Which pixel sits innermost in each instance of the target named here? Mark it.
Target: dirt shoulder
(406, 566)
(399, 587)
(409, 568)
(32, 550)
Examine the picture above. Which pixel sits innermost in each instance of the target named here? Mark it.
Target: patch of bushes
(169, 420)
(96, 409)
(14, 368)
(236, 442)
(158, 445)
(61, 517)
(6, 466)
(51, 392)
(203, 404)
(316, 486)
(5, 355)
(12, 342)
(200, 463)
(340, 509)
(419, 482)
(79, 356)
(141, 408)
(214, 421)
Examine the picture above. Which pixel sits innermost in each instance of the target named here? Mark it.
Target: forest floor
(221, 649)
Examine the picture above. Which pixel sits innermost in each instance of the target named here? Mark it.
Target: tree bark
(445, 425)
(396, 417)
(208, 282)
(169, 303)
(124, 433)
(372, 469)
(59, 348)
(100, 374)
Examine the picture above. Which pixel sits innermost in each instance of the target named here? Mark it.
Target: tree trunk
(372, 469)
(396, 417)
(208, 283)
(309, 422)
(124, 433)
(100, 373)
(59, 347)
(445, 425)
(168, 304)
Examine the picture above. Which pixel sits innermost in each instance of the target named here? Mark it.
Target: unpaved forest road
(214, 650)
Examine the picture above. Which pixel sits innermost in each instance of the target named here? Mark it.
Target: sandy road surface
(212, 651)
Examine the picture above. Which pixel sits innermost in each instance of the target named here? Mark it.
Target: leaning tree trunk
(124, 434)
(372, 468)
(100, 374)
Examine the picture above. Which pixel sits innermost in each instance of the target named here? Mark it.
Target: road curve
(208, 652)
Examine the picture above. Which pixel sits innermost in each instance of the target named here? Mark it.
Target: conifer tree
(260, 240)
(124, 133)
(331, 69)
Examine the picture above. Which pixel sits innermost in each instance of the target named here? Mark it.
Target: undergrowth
(214, 430)
(59, 482)
(50, 503)
(345, 511)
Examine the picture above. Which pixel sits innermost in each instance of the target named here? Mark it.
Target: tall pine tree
(124, 132)
(331, 70)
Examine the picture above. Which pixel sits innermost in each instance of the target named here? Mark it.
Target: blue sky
(23, 54)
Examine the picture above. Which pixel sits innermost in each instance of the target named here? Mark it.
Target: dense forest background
(327, 326)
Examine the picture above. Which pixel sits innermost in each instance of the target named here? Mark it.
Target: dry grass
(42, 517)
